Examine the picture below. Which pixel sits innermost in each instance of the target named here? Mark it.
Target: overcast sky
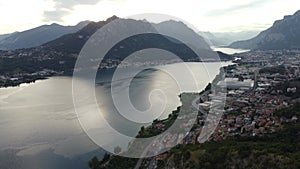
(205, 15)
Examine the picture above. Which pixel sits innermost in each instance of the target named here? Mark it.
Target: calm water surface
(39, 127)
(230, 50)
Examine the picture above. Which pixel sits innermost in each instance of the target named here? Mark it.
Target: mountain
(60, 55)
(182, 30)
(38, 36)
(226, 38)
(284, 34)
(73, 43)
(212, 39)
(5, 36)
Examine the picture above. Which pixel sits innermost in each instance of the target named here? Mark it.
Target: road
(196, 105)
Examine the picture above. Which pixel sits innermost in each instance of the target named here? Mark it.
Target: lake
(229, 50)
(39, 127)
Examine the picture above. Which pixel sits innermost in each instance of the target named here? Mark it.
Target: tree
(94, 163)
(142, 129)
(117, 150)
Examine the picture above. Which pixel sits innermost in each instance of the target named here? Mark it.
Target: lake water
(229, 50)
(39, 127)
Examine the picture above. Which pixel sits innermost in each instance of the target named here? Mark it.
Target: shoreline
(16, 82)
(188, 101)
(159, 126)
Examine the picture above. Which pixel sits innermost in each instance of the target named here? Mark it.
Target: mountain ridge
(73, 43)
(37, 36)
(283, 34)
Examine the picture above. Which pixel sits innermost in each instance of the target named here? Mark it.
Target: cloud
(63, 7)
(54, 16)
(250, 5)
(69, 4)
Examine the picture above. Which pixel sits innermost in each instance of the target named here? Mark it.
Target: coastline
(26, 79)
(17, 83)
(279, 121)
(158, 126)
(188, 101)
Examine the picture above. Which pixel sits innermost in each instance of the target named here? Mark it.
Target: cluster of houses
(19, 78)
(254, 97)
(252, 100)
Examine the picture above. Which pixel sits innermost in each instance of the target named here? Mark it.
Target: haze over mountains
(37, 36)
(226, 38)
(284, 34)
(182, 30)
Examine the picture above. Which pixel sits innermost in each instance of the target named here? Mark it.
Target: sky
(205, 15)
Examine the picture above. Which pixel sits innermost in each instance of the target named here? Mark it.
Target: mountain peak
(83, 23)
(72, 44)
(182, 31)
(55, 24)
(297, 13)
(114, 17)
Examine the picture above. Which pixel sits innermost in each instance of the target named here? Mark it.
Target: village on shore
(258, 86)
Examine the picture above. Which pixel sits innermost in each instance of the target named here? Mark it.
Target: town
(28, 65)
(258, 86)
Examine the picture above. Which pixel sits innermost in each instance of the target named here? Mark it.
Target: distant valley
(226, 38)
